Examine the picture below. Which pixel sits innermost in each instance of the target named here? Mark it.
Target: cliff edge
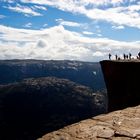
(122, 82)
(118, 125)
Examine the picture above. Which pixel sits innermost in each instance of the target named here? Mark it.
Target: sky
(85, 30)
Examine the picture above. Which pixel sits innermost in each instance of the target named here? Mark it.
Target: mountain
(85, 73)
(36, 106)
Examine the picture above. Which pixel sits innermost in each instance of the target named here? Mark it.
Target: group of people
(125, 56)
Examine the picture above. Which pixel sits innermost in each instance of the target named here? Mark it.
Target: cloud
(8, 1)
(119, 16)
(45, 25)
(58, 43)
(120, 12)
(99, 35)
(120, 27)
(68, 23)
(41, 44)
(27, 11)
(28, 25)
(87, 33)
(98, 54)
(2, 16)
(40, 7)
(79, 2)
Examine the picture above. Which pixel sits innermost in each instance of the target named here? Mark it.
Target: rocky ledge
(118, 125)
(121, 78)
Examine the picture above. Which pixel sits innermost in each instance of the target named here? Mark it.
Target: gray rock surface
(118, 125)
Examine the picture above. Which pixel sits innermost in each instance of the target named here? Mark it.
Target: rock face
(122, 82)
(85, 73)
(33, 107)
(118, 125)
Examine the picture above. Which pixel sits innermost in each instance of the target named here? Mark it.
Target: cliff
(118, 125)
(36, 106)
(85, 73)
(122, 82)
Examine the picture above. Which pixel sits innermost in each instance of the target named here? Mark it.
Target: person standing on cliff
(116, 56)
(109, 56)
(130, 56)
(124, 56)
(139, 55)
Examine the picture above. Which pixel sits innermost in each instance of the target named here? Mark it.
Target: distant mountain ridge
(85, 73)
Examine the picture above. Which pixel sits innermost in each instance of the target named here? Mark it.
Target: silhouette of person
(109, 56)
(124, 56)
(130, 56)
(116, 56)
(139, 55)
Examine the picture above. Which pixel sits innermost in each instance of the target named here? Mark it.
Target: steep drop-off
(118, 125)
(85, 73)
(33, 107)
(122, 82)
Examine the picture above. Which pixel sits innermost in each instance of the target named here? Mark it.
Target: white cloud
(58, 43)
(68, 23)
(41, 43)
(117, 14)
(40, 7)
(45, 25)
(118, 27)
(28, 25)
(8, 1)
(78, 2)
(87, 33)
(120, 16)
(99, 35)
(27, 11)
(2, 16)
(98, 54)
